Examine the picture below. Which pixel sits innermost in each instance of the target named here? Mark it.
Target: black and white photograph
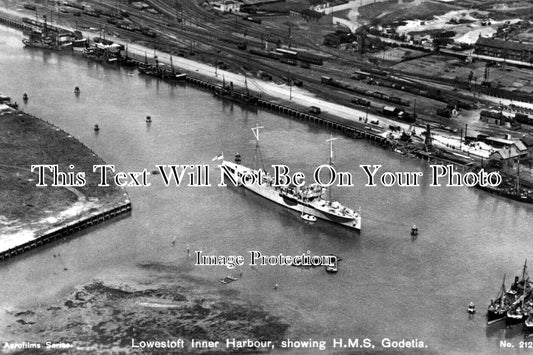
(266, 176)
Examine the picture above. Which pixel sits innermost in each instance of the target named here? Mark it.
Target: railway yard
(407, 84)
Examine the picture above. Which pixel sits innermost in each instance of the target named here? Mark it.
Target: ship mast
(524, 284)
(171, 65)
(503, 291)
(255, 131)
(524, 271)
(518, 177)
(330, 140)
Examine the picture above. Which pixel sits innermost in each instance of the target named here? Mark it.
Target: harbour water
(388, 285)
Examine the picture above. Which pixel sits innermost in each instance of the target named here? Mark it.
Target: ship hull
(238, 98)
(494, 316)
(294, 204)
(514, 319)
(507, 194)
(42, 45)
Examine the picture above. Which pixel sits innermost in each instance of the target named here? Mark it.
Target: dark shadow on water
(501, 333)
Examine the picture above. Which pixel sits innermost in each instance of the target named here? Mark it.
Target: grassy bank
(25, 141)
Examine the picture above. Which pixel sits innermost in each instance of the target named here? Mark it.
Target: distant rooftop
(500, 140)
(311, 13)
(499, 43)
(527, 140)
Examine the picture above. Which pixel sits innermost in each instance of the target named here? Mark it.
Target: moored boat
(6, 100)
(332, 268)
(235, 96)
(521, 195)
(46, 39)
(497, 309)
(521, 307)
(227, 92)
(227, 279)
(510, 188)
(80, 43)
(308, 217)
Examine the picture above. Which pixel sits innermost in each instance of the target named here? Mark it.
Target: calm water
(387, 285)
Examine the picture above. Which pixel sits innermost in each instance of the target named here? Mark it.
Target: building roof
(502, 44)
(499, 140)
(311, 13)
(504, 154)
(520, 145)
(527, 140)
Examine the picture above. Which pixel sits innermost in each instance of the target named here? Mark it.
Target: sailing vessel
(312, 198)
(510, 188)
(497, 309)
(159, 71)
(173, 74)
(79, 41)
(519, 309)
(125, 60)
(521, 195)
(147, 69)
(227, 93)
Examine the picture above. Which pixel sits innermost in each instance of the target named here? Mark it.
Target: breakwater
(67, 230)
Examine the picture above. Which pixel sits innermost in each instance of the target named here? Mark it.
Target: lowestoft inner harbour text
(198, 175)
